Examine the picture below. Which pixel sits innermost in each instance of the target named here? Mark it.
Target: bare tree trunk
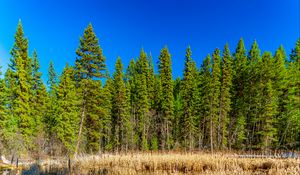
(80, 127)
(211, 135)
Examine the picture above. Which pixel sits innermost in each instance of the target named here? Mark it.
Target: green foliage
(214, 97)
(120, 114)
(21, 75)
(89, 67)
(188, 89)
(165, 72)
(225, 97)
(237, 134)
(235, 101)
(66, 122)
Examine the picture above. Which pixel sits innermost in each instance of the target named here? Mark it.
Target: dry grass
(175, 163)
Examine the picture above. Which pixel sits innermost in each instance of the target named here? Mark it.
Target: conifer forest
(237, 99)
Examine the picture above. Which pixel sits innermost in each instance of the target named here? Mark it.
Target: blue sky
(54, 27)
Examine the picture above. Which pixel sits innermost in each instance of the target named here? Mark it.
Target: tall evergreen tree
(177, 121)
(237, 134)
(106, 120)
(253, 96)
(66, 122)
(21, 66)
(52, 107)
(38, 102)
(120, 113)
(204, 91)
(165, 73)
(291, 136)
(214, 98)
(225, 97)
(188, 96)
(142, 100)
(90, 66)
(266, 117)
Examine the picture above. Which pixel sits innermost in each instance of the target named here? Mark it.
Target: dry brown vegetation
(178, 163)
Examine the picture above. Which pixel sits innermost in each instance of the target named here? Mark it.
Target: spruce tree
(120, 113)
(188, 96)
(225, 97)
(52, 106)
(90, 66)
(204, 91)
(253, 96)
(237, 134)
(280, 88)
(214, 98)
(105, 129)
(9, 122)
(177, 121)
(66, 122)
(290, 136)
(165, 73)
(21, 66)
(142, 100)
(266, 117)
(38, 102)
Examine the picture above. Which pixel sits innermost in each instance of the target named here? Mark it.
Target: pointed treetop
(35, 61)
(295, 55)
(20, 47)
(188, 55)
(266, 57)
(119, 64)
(241, 47)
(226, 52)
(206, 63)
(254, 53)
(90, 62)
(280, 54)
(52, 77)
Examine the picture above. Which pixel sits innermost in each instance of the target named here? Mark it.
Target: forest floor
(168, 163)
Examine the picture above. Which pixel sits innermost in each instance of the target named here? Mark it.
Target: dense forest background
(233, 101)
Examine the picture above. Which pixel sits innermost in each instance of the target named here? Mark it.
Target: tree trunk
(80, 128)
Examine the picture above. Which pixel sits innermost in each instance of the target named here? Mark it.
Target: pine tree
(106, 96)
(156, 123)
(253, 96)
(120, 113)
(178, 119)
(131, 84)
(237, 134)
(21, 66)
(3, 116)
(90, 66)
(38, 102)
(152, 135)
(142, 100)
(188, 96)
(66, 122)
(52, 77)
(295, 55)
(9, 122)
(204, 92)
(165, 73)
(279, 84)
(214, 98)
(52, 107)
(225, 97)
(268, 111)
(290, 136)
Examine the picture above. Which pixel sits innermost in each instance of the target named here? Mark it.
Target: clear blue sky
(53, 27)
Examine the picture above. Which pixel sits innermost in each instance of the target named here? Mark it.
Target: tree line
(241, 100)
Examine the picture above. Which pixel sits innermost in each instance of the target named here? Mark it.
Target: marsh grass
(180, 163)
